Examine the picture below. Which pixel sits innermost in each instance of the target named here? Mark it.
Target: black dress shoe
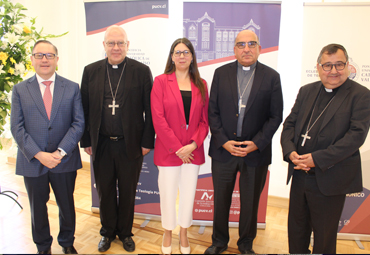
(128, 244)
(104, 243)
(244, 251)
(69, 250)
(215, 249)
(48, 251)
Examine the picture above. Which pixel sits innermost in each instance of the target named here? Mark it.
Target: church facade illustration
(211, 41)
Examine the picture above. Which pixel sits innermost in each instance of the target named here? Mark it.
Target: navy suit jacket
(263, 113)
(342, 132)
(34, 132)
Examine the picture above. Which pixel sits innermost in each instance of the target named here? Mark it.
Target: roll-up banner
(212, 28)
(351, 21)
(145, 23)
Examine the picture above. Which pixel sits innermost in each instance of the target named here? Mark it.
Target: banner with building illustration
(350, 33)
(143, 21)
(212, 28)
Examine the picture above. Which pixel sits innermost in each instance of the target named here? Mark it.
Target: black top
(322, 99)
(111, 125)
(186, 99)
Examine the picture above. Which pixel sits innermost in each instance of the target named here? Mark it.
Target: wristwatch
(62, 153)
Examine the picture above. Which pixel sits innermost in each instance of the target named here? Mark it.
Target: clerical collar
(116, 66)
(246, 68)
(330, 90)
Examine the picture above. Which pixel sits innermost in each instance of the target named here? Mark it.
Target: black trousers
(113, 169)
(310, 210)
(251, 183)
(38, 190)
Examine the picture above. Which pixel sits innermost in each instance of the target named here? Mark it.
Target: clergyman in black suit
(245, 110)
(321, 139)
(119, 132)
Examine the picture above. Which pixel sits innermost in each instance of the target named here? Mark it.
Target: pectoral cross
(305, 137)
(113, 106)
(241, 105)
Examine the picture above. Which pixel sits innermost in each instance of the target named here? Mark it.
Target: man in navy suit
(47, 123)
(245, 110)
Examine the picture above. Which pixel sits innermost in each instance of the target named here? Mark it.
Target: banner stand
(355, 237)
(352, 237)
(147, 218)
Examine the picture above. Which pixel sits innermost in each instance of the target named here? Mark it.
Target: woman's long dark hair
(193, 68)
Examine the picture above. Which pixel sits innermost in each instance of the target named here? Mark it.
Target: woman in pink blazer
(179, 103)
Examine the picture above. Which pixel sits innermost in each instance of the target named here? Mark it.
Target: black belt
(112, 138)
(115, 138)
(310, 172)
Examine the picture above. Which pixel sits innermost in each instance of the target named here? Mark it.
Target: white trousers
(170, 180)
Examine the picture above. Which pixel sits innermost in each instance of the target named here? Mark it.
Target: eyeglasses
(112, 44)
(41, 55)
(329, 66)
(251, 44)
(178, 53)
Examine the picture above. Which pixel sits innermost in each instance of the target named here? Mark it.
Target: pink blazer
(170, 124)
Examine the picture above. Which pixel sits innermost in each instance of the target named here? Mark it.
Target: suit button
(170, 150)
(237, 115)
(182, 126)
(234, 133)
(49, 128)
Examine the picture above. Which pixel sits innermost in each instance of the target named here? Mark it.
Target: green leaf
(18, 5)
(3, 114)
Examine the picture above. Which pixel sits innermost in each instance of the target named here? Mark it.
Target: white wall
(59, 16)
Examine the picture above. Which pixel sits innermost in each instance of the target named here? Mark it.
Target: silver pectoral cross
(305, 137)
(113, 106)
(241, 105)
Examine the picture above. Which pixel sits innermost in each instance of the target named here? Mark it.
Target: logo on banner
(206, 196)
(361, 75)
(353, 70)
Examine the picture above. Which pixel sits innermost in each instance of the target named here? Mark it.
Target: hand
(251, 146)
(48, 159)
(185, 153)
(56, 155)
(294, 156)
(144, 151)
(302, 162)
(234, 147)
(88, 150)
